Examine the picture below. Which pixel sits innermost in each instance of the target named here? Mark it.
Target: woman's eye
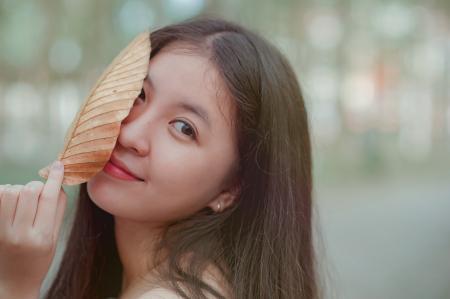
(186, 128)
(142, 94)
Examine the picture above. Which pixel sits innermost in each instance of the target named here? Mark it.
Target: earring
(218, 207)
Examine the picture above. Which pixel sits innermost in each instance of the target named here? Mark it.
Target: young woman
(219, 142)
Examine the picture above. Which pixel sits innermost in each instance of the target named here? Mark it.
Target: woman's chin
(100, 193)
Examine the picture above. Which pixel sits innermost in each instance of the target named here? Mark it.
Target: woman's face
(183, 158)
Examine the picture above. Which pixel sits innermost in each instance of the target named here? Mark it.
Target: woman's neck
(135, 245)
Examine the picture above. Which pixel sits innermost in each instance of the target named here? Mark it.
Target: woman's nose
(132, 136)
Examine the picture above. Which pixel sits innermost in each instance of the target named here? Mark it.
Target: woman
(219, 140)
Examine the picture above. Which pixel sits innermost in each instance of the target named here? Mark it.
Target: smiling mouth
(117, 172)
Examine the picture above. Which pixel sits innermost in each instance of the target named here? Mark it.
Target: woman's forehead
(179, 75)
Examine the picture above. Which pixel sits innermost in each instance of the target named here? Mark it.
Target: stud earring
(218, 207)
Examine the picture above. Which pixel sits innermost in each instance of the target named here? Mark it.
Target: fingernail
(57, 165)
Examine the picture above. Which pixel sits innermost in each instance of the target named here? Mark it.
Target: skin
(181, 175)
(30, 220)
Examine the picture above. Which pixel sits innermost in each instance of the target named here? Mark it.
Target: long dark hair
(262, 244)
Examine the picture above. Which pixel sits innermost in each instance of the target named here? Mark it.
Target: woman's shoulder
(211, 276)
(215, 278)
(160, 293)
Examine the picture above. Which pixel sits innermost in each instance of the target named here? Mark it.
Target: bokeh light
(65, 55)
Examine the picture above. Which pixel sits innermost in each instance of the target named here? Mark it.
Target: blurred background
(376, 79)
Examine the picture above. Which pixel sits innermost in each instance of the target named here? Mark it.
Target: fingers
(27, 205)
(8, 205)
(35, 205)
(48, 202)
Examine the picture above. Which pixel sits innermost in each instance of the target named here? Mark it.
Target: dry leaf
(91, 138)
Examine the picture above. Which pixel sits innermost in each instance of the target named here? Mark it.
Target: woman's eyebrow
(186, 105)
(196, 109)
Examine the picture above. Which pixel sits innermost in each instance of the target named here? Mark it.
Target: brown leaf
(91, 138)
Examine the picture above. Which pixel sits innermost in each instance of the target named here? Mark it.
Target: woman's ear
(225, 199)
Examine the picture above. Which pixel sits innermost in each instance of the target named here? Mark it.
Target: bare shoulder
(160, 293)
(211, 276)
(215, 279)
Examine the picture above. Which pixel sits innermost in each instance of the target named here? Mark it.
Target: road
(388, 239)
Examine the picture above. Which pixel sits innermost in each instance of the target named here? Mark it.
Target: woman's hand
(30, 219)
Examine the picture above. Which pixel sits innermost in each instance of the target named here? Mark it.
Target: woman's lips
(117, 172)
